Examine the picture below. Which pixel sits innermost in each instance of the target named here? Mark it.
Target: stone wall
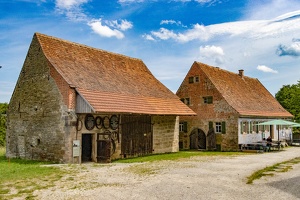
(40, 126)
(218, 111)
(165, 134)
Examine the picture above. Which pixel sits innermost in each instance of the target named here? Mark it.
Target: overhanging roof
(107, 102)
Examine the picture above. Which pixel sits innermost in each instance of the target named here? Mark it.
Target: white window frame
(218, 126)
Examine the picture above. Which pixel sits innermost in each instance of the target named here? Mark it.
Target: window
(243, 127)
(183, 127)
(194, 79)
(218, 127)
(208, 100)
(186, 101)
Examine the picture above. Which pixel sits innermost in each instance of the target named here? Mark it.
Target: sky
(262, 37)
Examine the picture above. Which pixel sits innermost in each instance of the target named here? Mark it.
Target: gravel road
(195, 178)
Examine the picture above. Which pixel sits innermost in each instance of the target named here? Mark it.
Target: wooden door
(136, 135)
(104, 147)
(197, 139)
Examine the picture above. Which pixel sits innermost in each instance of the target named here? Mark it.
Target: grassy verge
(175, 156)
(271, 170)
(20, 178)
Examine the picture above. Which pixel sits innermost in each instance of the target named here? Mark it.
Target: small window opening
(208, 100)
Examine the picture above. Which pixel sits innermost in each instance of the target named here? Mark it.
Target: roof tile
(110, 82)
(246, 95)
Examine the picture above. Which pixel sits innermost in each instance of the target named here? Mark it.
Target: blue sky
(260, 36)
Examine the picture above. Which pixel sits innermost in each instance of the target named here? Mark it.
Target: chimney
(241, 73)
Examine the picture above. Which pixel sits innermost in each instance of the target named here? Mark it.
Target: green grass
(271, 170)
(175, 156)
(18, 169)
(24, 176)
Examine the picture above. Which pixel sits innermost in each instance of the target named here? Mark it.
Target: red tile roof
(110, 82)
(121, 103)
(246, 95)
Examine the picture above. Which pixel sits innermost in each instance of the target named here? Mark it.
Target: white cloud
(255, 29)
(292, 50)
(148, 37)
(164, 34)
(129, 1)
(197, 32)
(170, 22)
(124, 25)
(266, 69)
(69, 4)
(214, 53)
(210, 2)
(72, 9)
(270, 9)
(104, 30)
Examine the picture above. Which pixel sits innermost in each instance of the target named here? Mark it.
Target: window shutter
(185, 127)
(210, 99)
(210, 125)
(223, 127)
(191, 79)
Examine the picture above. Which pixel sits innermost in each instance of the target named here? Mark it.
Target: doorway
(86, 152)
(197, 139)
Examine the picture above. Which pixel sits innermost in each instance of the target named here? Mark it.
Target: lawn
(20, 178)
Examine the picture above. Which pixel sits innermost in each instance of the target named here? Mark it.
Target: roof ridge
(85, 46)
(224, 70)
(211, 71)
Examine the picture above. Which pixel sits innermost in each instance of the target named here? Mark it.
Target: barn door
(136, 135)
(104, 147)
(197, 139)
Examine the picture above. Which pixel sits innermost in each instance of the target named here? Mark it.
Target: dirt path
(196, 178)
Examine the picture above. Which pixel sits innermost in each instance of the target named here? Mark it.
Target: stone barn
(73, 103)
(229, 106)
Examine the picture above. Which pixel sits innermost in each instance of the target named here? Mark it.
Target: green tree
(289, 97)
(3, 109)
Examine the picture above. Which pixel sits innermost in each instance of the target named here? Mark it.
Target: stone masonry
(40, 124)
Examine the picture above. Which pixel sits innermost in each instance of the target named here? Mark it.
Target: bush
(3, 109)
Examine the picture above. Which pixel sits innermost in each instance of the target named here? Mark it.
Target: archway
(197, 139)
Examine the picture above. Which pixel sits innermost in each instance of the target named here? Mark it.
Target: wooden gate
(136, 135)
(197, 139)
(104, 147)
